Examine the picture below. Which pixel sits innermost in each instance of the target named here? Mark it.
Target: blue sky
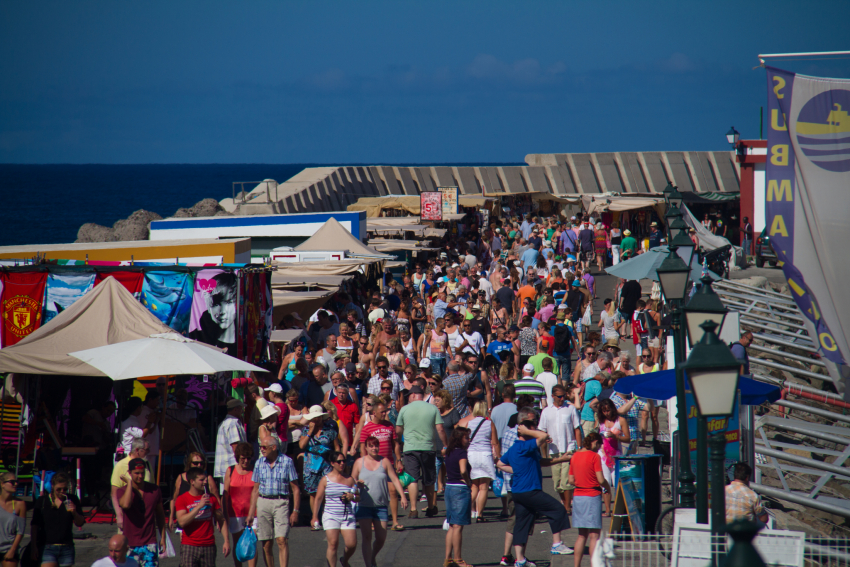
(389, 82)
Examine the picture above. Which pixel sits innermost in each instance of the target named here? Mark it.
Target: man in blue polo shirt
(523, 461)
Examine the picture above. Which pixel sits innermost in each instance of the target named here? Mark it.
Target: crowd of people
(481, 365)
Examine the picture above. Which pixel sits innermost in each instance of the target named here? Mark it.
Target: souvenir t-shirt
(200, 532)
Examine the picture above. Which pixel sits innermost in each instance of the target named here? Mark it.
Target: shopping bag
(498, 483)
(405, 479)
(246, 547)
(168, 551)
(587, 319)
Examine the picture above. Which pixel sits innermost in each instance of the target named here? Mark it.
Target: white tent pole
(803, 54)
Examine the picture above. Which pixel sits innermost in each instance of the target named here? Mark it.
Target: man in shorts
(196, 512)
(274, 479)
(417, 422)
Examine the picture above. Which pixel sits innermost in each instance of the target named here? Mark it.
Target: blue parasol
(644, 266)
(661, 385)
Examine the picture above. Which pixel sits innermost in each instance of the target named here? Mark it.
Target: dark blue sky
(390, 82)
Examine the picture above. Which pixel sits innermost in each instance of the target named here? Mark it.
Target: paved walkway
(423, 543)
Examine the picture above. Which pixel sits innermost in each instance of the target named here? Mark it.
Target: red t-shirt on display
(200, 532)
(583, 466)
(385, 432)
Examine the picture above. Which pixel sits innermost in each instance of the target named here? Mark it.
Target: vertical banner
(808, 199)
(168, 295)
(449, 200)
(213, 316)
(23, 294)
(431, 206)
(63, 290)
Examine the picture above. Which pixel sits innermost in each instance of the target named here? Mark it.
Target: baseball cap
(544, 343)
(562, 307)
(276, 388)
(136, 464)
(528, 368)
(576, 284)
(425, 363)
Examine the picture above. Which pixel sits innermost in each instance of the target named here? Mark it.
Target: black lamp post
(673, 276)
(675, 198)
(676, 227)
(713, 372)
(685, 247)
(732, 136)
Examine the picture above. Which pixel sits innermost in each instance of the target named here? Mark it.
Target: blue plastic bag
(246, 547)
(498, 483)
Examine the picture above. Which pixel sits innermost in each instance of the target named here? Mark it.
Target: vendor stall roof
(333, 236)
(288, 279)
(286, 335)
(106, 315)
(616, 202)
(537, 196)
(228, 251)
(374, 206)
(393, 245)
(305, 303)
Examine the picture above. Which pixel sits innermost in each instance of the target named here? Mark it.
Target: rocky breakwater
(137, 225)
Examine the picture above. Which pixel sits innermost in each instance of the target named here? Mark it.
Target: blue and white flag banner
(808, 199)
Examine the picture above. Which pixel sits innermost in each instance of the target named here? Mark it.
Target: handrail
(779, 341)
(787, 355)
(802, 500)
(814, 411)
(797, 459)
(778, 366)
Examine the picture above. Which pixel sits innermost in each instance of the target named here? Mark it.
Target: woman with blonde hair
(13, 519)
(345, 341)
(483, 453)
(181, 485)
(422, 345)
(395, 355)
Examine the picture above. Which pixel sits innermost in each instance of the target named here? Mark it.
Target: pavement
(422, 543)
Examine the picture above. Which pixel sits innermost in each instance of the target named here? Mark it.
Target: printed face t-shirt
(200, 532)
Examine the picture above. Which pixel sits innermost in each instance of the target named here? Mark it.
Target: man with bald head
(118, 548)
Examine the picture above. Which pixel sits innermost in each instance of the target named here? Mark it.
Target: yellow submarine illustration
(837, 122)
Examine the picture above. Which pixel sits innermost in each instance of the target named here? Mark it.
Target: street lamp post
(704, 306)
(713, 372)
(673, 277)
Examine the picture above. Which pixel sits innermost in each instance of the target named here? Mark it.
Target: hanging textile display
(23, 294)
(168, 295)
(63, 290)
(132, 281)
(213, 313)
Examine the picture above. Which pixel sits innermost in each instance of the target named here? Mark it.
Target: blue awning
(662, 386)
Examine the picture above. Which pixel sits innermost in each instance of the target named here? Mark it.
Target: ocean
(47, 204)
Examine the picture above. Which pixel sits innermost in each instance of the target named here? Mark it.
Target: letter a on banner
(808, 199)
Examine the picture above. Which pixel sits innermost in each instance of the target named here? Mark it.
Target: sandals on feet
(397, 528)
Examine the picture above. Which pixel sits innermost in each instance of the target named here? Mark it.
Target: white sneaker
(561, 549)
(526, 563)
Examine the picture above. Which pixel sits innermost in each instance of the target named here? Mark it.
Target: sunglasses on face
(197, 463)
(557, 396)
(339, 462)
(432, 383)
(13, 482)
(590, 353)
(408, 373)
(387, 389)
(382, 368)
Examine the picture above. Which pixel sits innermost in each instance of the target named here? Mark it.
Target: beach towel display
(63, 290)
(20, 304)
(132, 281)
(213, 313)
(168, 295)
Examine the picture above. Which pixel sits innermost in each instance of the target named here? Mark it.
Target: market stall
(535, 202)
(405, 205)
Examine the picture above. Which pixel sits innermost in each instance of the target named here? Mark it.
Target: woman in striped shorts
(339, 492)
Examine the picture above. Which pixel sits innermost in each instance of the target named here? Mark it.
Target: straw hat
(268, 411)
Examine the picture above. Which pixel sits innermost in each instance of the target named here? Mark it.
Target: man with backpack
(564, 343)
(642, 327)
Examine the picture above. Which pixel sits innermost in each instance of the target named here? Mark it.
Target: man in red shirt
(196, 510)
(384, 431)
(346, 410)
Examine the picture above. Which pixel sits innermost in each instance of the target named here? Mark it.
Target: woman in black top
(53, 519)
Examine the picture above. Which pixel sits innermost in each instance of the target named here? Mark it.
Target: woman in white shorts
(484, 443)
(339, 492)
(238, 487)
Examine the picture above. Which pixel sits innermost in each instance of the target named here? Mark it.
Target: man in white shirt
(547, 378)
(469, 341)
(118, 549)
(485, 286)
(562, 423)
